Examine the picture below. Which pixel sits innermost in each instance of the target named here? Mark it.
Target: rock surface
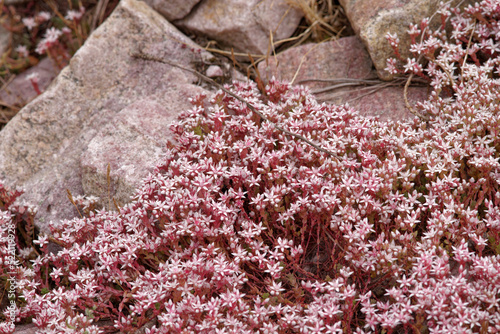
(244, 25)
(105, 107)
(342, 62)
(172, 9)
(372, 20)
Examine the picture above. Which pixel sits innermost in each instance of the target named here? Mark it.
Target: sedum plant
(242, 228)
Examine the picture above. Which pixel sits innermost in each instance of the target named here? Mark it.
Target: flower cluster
(17, 231)
(46, 29)
(472, 49)
(34, 21)
(243, 228)
(52, 43)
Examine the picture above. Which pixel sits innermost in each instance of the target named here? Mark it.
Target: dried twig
(10, 106)
(144, 56)
(348, 84)
(369, 90)
(342, 80)
(6, 115)
(323, 17)
(70, 197)
(232, 53)
(468, 47)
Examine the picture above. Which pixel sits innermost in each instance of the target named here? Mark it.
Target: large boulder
(106, 107)
(244, 25)
(373, 19)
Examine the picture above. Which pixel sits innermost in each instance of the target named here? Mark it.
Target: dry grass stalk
(325, 18)
(98, 16)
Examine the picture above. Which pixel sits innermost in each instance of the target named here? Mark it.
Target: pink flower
(22, 50)
(30, 23)
(42, 47)
(74, 15)
(43, 16)
(52, 35)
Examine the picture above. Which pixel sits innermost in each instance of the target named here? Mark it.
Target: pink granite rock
(172, 9)
(131, 143)
(244, 25)
(105, 107)
(373, 19)
(342, 62)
